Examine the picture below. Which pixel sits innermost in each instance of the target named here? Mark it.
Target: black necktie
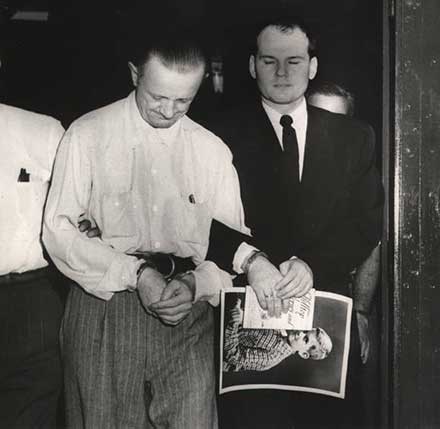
(290, 145)
(290, 176)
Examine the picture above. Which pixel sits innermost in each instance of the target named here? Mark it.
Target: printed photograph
(312, 360)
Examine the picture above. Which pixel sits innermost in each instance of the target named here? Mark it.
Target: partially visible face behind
(332, 103)
(282, 67)
(164, 94)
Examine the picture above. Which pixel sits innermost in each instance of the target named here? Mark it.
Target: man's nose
(281, 69)
(167, 109)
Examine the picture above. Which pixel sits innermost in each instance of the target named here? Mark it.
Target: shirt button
(153, 171)
(155, 208)
(156, 244)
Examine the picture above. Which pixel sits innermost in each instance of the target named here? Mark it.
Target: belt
(166, 263)
(26, 277)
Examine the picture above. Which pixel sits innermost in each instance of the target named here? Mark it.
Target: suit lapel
(263, 138)
(321, 175)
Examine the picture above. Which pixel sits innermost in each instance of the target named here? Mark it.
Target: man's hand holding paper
(274, 287)
(297, 279)
(262, 276)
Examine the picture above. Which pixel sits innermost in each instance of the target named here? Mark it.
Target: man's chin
(162, 126)
(163, 123)
(283, 99)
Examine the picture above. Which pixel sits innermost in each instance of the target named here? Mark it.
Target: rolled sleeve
(242, 253)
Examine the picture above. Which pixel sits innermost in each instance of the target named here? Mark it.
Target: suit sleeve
(223, 240)
(223, 244)
(366, 202)
(352, 239)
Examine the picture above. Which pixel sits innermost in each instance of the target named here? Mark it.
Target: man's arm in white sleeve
(95, 266)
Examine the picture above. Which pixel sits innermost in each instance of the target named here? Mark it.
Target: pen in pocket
(24, 176)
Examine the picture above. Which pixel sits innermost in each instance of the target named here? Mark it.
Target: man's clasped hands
(171, 300)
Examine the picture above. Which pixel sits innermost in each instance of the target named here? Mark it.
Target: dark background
(75, 61)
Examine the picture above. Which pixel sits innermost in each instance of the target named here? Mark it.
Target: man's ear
(313, 67)
(252, 66)
(134, 73)
(304, 355)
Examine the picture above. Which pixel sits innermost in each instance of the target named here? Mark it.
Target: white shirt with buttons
(146, 189)
(28, 142)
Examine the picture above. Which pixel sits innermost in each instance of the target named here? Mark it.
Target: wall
(416, 333)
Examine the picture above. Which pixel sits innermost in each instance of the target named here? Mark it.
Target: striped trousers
(125, 369)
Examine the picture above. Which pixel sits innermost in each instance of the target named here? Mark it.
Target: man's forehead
(169, 82)
(273, 38)
(156, 62)
(332, 102)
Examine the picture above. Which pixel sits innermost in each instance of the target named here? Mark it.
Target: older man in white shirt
(138, 345)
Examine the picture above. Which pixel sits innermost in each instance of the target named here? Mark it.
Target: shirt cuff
(121, 275)
(241, 254)
(210, 280)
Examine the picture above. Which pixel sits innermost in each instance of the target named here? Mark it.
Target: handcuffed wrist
(251, 259)
(163, 263)
(172, 268)
(142, 267)
(189, 279)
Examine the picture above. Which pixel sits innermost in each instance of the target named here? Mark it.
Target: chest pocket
(31, 198)
(193, 220)
(117, 215)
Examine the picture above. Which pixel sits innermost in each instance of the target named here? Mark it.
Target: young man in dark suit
(311, 193)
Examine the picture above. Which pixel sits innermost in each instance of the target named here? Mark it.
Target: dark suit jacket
(334, 220)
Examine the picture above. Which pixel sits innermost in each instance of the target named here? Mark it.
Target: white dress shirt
(147, 190)
(28, 142)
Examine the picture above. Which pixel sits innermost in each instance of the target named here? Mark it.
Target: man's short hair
(286, 22)
(330, 88)
(176, 47)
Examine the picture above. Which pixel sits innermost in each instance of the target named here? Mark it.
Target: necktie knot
(286, 121)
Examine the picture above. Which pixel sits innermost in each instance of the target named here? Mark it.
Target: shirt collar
(163, 135)
(298, 114)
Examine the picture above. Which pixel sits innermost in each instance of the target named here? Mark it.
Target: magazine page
(301, 360)
(299, 315)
